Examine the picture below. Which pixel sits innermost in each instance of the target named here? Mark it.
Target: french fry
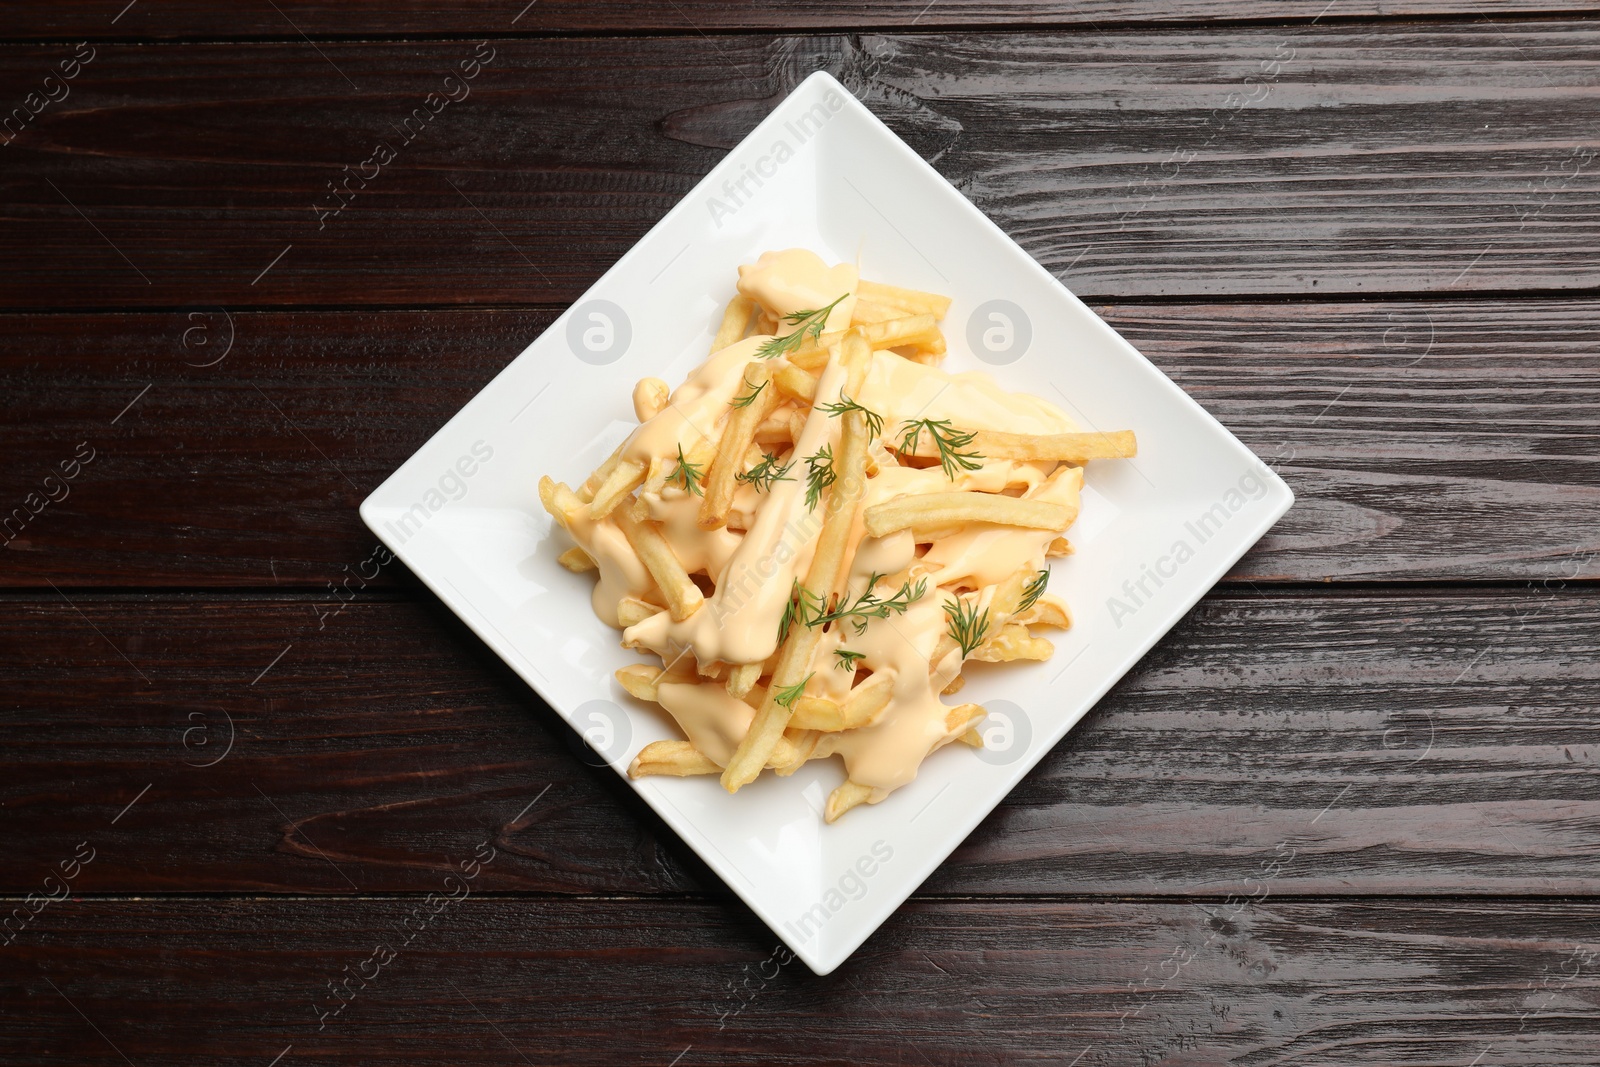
(650, 396)
(1012, 642)
(845, 797)
(735, 320)
(892, 333)
(866, 312)
(912, 300)
(631, 611)
(682, 595)
(562, 503)
(576, 560)
(972, 737)
(717, 493)
(953, 685)
(1059, 547)
(1074, 448)
(827, 563)
(1046, 611)
(677, 758)
(795, 383)
(640, 680)
(600, 473)
(743, 678)
(865, 702)
(624, 478)
(937, 509)
(964, 717)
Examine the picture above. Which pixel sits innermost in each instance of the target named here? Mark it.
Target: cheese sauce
(772, 535)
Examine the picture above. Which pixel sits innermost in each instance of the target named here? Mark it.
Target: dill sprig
(847, 658)
(807, 322)
(819, 474)
(801, 605)
(966, 627)
(1033, 591)
(949, 441)
(687, 474)
(765, 473)
(870, 606)
(844, 404)
(750, 397)
(786, 696)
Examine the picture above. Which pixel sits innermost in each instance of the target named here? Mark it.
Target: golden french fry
(678, 758)
(938, 509)
(864, 704)
(576, 560)
(631, 611)
(600, 473)
(972, 737)
(795, 383)
(743, 678)
(867, 312)
(735, 320)
(1059, 547)
(828, 562)
(627, 476)
(682, 595)
(846, 797)
(737, 436)
(650, 396)
(1046, 611)
(562, 503)
(954, 685)
(1008, 594)
(893, 333)
(1074, 448)
(640, 680)
(964, 717)
(1012, 642)
(912, 300)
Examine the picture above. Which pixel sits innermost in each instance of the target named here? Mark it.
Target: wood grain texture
(1424, 439)
(492, 981)
(252, 18)
(1366, 158)
(1424, 744)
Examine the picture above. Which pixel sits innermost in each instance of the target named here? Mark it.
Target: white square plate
(822, 172)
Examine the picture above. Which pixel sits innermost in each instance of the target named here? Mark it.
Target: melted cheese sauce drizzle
(753, 570)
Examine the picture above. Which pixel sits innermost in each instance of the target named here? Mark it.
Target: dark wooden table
(1348, 812)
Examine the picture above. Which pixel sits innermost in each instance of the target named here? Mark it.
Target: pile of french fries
(791, 719)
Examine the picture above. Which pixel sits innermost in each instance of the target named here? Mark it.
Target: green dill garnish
(749, 398)
(819, 474)
(966, 627)
(686, 474)
(847, 658)
(786, 696)
(1033, 591)
(870, 606)
(763, 474)
(947, 439)
(844, 404)
(801, 605)
(807, 322)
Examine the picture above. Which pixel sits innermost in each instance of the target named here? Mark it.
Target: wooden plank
(1425, 744)
(1365, 159)
(1424, 440)
(252, 18)
(495, 981)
